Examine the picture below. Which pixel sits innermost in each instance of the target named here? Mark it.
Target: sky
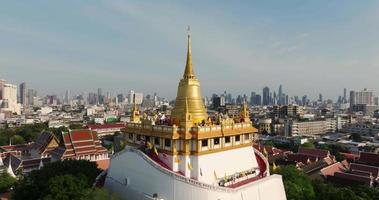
(310, 47)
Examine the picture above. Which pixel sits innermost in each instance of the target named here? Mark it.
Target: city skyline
(314, 47)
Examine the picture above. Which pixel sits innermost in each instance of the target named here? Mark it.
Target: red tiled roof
(365, 168)
(79, 143)
(320, 153)
(331, 169)
(369, 158)
(293, 157)
(77, 135)
(351, 178)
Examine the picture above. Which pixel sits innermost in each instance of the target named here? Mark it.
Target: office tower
(131, 96)
(138, 98)
(120, 98)
(281, 96)
(344, 96)
(266, 96)
(304, 100)
(9, 93)
(252, 98)
(258, 100)
(67, 97)
(2, 82)
(362, 97)
(100, 96)
(320, 99)
(23, 95)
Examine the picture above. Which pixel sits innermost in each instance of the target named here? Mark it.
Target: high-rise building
(138, 98)
(320, 99)
(10, 99)
(31, 95)
(362, 97)
(23, 99)
(281, 96)
(2, 83)
(258, 100)
(100, 98)
(266, 96)
(67, 97)
(252, 98)
(344, 96)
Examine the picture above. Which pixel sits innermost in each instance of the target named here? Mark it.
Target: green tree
(308, 145)
(36, 184)
(66, 187)
(6, 181)
(99, 194)
(296, 183)
(17, 139)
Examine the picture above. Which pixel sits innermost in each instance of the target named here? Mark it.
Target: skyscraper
(2, 83)
(23, 100)
(266, 96)
(361, 97)
(344, 96)
(280, 96)
(100, 96)
(67, 97)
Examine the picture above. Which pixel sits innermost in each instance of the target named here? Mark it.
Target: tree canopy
(299, 187)
(58, 180)
(308, 145)
(6, 181)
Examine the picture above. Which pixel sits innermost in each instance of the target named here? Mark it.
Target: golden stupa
(188, 99)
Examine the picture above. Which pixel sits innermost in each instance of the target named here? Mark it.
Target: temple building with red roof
(75, 144)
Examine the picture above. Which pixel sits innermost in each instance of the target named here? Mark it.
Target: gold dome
(189, 94)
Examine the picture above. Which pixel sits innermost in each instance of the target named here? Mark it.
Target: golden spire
(135, 113)
(188, 99)
(188, 72)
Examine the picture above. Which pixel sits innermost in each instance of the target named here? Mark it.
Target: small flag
(156, 151)
(274, 167)
(265, 151)
(225, 179)
(149, 145)
(201, 172)
(189, 166)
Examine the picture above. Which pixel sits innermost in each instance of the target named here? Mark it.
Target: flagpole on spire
(188, 72)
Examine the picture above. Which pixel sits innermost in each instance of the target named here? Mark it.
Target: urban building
(23, 95)
(266, 96)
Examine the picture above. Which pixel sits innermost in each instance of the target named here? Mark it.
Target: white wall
(145, 178)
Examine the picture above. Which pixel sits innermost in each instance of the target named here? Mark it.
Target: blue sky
(241, 46)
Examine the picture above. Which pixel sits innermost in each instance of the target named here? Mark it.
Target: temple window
(147, 138)
(227, 139)
(237, 138)
(246, 136)
(138, 137)
(216, 141)
(204, 143)
(131, 136)
(167, 142)
(157, 141)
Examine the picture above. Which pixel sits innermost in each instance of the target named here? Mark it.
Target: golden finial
(188, 72)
